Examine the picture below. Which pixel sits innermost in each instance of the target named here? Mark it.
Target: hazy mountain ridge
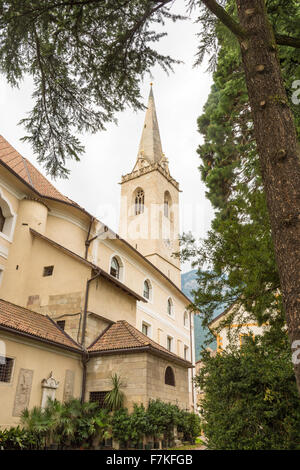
(188, 284)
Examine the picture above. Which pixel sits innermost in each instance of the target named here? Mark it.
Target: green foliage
(114, 399)
(158, 421)
(19, 439)
(74, 424)
(86, 59)
(139, 424)
(121, 425)
(162, 418)
(237, 260)
(189, 424)
(250, 397)
(67, 424)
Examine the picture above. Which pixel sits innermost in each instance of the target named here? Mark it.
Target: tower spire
(150, 145)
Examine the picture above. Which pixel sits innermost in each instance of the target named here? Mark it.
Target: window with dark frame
(139, 202)
(48, 271)
(145, 329)
(2, 220)
(169, 376)
(146, 292)
(6, 366)
(169, 343)
(170, 307)
(61, 324)
(98, 397)
(115, 268)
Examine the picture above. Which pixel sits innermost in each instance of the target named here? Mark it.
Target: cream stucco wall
(23, 257)
(42, 359)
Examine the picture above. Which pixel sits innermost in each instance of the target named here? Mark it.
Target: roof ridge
(27, 171)
(132, 330)
(63, 331)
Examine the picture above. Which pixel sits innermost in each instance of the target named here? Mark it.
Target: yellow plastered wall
(42, 360)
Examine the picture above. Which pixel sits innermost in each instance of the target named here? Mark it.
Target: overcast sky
(179, 99)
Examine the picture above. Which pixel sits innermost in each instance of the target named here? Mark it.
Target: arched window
(169, 376)
(115, 268)
(139, 202)
(170, 307)
(167, 204)
(147, 290)
(185, 319)
(2, 220)
(7, 218)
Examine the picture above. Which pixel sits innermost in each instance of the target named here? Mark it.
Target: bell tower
(149, 218)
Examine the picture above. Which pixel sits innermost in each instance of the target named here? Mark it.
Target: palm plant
(114, 399)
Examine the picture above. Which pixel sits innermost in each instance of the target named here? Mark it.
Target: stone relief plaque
(49, 387)
(23, 391)
(69, 385)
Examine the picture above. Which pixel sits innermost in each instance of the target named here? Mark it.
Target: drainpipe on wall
(86, 301)
(85, 356)
(192, 373)
(84, 360)
(90, 240)
(87, 242)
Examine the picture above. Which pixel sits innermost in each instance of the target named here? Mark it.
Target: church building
(79, 302)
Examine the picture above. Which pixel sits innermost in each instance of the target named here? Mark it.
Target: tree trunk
(277, 145)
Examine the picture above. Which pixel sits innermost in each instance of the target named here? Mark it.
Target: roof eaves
(9, 329)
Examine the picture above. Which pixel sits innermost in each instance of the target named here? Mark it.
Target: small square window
(61, 324)
(48, 270)
(6, 366)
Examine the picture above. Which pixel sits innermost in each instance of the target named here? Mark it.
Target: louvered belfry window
(139, 202)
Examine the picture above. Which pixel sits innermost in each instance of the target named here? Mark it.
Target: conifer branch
(226, 19)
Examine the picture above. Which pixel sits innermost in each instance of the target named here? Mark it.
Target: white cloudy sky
(179, 98)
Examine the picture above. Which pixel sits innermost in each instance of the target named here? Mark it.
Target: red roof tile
(34, 324)
(25, 170)
(122, 335)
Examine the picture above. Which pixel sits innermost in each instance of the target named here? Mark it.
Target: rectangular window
(169, 343)
(186, 353)
(145, 329)
(6, 366)
(48, 270)
(61, 324)
(98, 397)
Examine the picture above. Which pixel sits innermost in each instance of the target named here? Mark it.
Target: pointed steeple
(150, 144)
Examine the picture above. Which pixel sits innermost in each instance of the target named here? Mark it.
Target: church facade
(80, 302)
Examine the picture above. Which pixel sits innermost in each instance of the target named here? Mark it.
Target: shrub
(17, 438)
(251, 400)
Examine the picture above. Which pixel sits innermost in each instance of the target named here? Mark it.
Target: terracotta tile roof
(14, 317)
(26, 171)
(122, 335)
